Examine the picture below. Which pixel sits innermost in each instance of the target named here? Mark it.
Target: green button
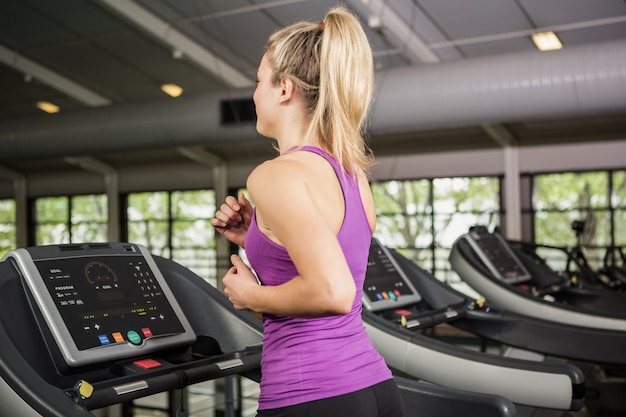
(134, 337)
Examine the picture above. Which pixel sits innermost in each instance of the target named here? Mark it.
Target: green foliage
(72, 219)
(618, 197)
(571, 190)
(150, 205)
(52, 210)
(620, 227)
(89, 208)
(560, 199)
(401, 208)
(7, 226)
(52, 220)
(466, 195)
(193, 204)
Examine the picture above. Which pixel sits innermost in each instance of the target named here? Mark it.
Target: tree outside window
(70, 219)
(7, 226)
(618, 201)
(573, 209)
(176, 225)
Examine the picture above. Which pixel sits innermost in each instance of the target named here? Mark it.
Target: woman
(308, 236)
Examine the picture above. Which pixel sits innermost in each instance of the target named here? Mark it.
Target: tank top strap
(341, 173)
(331, 159)
(351, 194)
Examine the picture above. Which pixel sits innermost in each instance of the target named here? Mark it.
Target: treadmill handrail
(110, 394)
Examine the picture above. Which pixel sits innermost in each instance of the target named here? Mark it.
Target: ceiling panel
(26, 26)
(476, 17)
(546, 13)
(83, 19)
(505, 46)
(99, 49)
(593, 35)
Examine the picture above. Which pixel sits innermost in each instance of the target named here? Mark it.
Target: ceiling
(95, 54)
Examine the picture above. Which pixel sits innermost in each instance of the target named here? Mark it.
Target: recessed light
(48, 107)
(172, 90)
(547, 41)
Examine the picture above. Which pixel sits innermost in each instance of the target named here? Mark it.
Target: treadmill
(87, 326)
(400, 300)
(515, 281)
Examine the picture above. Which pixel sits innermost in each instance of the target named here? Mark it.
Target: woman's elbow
(340, 303)
(343, 309)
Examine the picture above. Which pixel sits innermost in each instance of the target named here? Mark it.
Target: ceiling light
(48, 107)
(547, 41)
(172, 90)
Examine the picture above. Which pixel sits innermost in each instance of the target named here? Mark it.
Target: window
(148, 221)
(618, 204)
(71, 219)
(88, 218)
(176, 225)
(193, 237)
(585, 209)
(7, 226)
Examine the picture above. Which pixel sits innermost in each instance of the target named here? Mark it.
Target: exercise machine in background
(402, 300)
(512, 280)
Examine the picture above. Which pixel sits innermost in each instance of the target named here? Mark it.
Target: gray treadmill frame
(524, 387)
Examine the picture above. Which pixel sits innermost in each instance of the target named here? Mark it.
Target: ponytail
(332, 66)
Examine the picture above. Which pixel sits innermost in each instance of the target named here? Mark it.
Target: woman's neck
(296, 140)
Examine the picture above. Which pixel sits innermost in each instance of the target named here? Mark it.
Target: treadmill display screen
(499, 258)
(386, 286)
(100, 302)
(108, 300)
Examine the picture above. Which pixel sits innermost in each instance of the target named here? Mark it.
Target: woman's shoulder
(278, 173)
(295, 164)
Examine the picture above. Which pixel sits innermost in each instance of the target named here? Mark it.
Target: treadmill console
(386, 286)
(498, 256)
(101, 302)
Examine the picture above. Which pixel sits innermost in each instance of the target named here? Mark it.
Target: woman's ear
(287, 89)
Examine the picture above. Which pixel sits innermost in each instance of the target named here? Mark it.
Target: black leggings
(380, 400)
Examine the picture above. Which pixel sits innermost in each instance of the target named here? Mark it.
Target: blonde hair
(331, 64)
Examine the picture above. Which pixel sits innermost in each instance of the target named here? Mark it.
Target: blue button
(104, 340)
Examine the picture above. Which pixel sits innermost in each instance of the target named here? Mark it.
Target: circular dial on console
(100, 275)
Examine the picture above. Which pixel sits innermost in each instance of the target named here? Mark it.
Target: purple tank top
(306, 359)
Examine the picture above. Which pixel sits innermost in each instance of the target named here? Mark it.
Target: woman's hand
(233, 219)
(238, 282)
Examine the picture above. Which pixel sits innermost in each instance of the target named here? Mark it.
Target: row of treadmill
(88, 326)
